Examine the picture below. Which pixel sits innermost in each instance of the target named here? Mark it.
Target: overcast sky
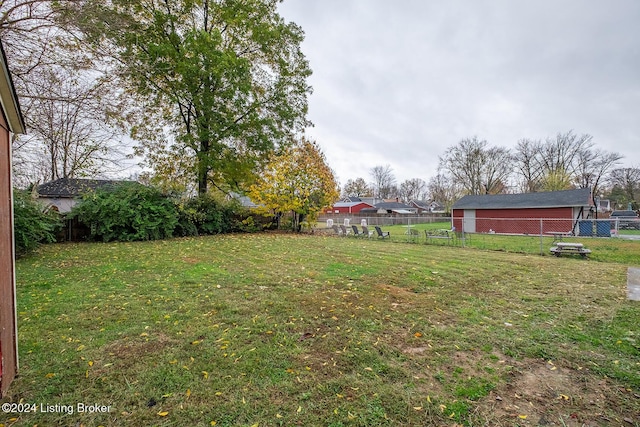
(398, 82)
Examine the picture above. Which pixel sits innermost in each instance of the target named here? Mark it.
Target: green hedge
(209, 215)
(127, 211)
(32, 226)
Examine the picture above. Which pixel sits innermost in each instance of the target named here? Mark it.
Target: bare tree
(625, 186)
(68, 109)
(70, 135)
(384, 182)
(443, 190)
(357, 188)
(592, 167)
(559, 154)
(413, 189)
(497, 170)
(527, 160)
(476, 168)
(563, 162)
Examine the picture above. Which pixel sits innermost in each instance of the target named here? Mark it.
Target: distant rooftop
(72, 187)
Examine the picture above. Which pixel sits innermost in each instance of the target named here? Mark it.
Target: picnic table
(570, 248)
(439, 234)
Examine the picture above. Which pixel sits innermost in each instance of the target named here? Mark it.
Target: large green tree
(221, 81)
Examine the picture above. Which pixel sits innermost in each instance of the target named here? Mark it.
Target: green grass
(613, 249)
(280, 329)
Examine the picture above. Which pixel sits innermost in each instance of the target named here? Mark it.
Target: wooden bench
(438, 234)
(570, 248)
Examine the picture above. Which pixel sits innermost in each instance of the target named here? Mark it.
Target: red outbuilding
(348, 207)
(528, 213)
(11, 122)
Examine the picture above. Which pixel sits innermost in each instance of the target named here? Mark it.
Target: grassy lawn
(280, 329)
(613, 249)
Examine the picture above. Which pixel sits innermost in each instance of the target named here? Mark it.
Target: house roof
(550, 199)
(392, 205)
(8, 97)
(72, 187)
(349, 199)
(422, 204)
(349, 204)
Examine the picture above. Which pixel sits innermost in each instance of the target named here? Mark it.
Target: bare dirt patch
(129, 350)
(540, 393)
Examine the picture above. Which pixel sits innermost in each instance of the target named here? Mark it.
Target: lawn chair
(382, 234)
(357, 232)
(366, 232)
(345, 232)
(337, 230)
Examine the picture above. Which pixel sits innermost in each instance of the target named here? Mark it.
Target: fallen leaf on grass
(163, 413)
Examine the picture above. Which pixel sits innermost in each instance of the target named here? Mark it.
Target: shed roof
(8, 97)
(550, 199)
(72, 187)
(349, 204)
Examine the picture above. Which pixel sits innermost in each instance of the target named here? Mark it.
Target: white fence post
(541, 239)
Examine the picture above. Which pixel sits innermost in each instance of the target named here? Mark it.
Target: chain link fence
(529, 235)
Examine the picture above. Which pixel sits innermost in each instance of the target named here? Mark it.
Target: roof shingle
(549, 199)
(72, 187)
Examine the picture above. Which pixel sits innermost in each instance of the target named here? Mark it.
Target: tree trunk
(203, 167)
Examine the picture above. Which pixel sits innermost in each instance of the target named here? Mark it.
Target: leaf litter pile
(278, 329)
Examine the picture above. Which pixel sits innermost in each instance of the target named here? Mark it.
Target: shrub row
(131, 211)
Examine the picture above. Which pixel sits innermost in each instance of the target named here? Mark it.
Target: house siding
(348, 209)
(524, 221)
(518, 221)
(8, 345)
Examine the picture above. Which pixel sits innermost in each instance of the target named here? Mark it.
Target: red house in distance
(348, 207)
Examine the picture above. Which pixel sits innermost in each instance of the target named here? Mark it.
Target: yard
(282, 329)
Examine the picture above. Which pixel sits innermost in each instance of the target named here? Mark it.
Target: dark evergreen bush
(208, 215)
(32, 226)
(128, 211)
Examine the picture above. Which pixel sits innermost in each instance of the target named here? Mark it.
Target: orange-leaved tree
(297, 180)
